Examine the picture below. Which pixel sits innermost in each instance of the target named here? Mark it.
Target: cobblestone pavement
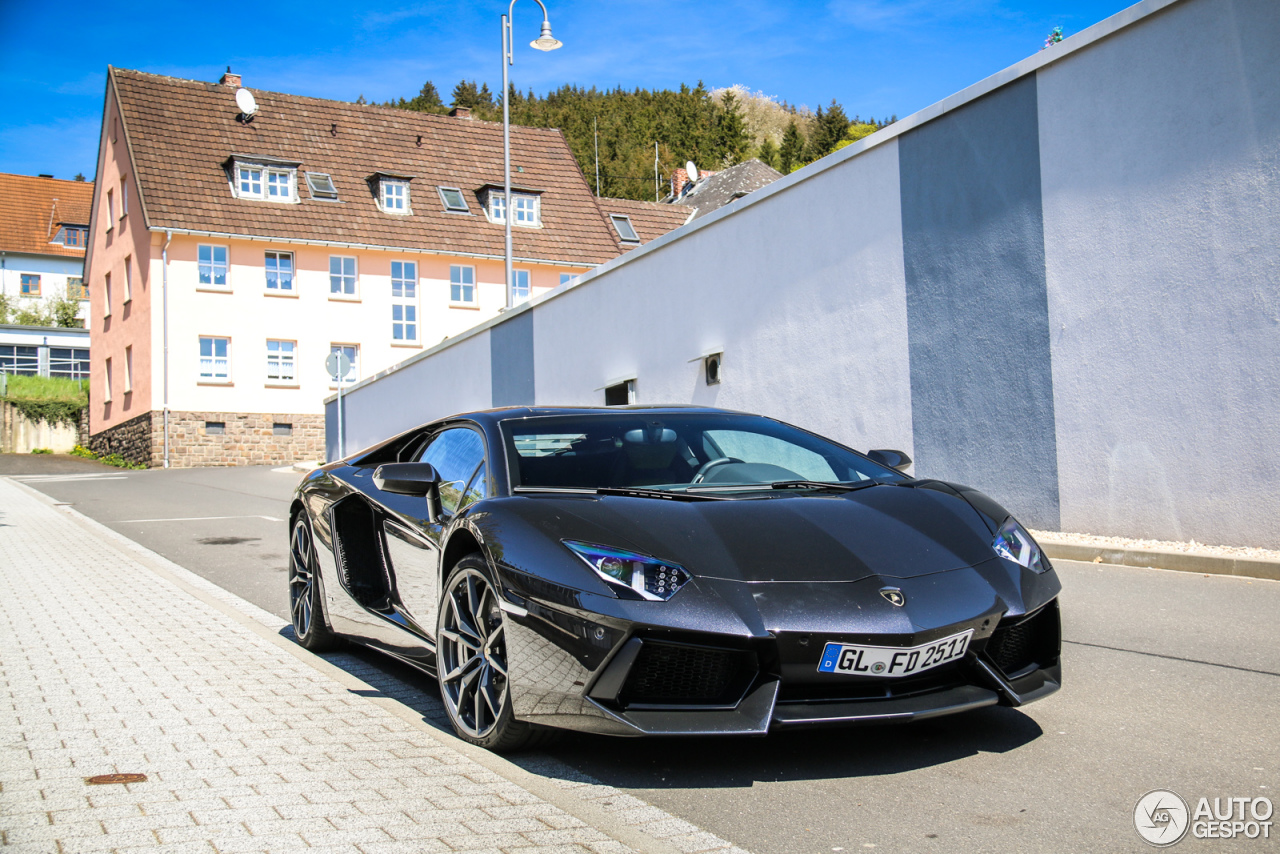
(116, 661)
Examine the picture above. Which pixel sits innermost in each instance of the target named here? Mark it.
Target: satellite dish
(245, 101)
(691, 170)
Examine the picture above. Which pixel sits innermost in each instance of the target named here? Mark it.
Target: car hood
(888, 531)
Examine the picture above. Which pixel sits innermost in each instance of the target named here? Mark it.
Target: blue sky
(876, 57)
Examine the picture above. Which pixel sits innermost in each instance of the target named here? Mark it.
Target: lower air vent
(676, 674)
(1025, 642)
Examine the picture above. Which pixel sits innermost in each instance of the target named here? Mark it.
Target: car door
(414, 544)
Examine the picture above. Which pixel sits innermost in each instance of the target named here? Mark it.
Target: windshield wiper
(822, 484)
(631, 491)
(787, 484)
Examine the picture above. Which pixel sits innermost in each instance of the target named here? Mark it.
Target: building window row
(281, 362)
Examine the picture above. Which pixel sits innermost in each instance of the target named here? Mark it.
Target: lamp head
(546, 41)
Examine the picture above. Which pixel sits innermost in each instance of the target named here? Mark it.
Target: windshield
(696, 452)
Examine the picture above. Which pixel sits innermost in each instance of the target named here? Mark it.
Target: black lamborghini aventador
(673, 570)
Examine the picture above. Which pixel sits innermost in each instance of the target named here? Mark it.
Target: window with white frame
(265, 181)
(321, 186)
(212, 264)
(565, 278)
(462, 284)
(111, 210)
(128, 370)
(124, 196)
(404, 301)
(215, 360)
(527, 208)
(106, 296)
(106, 396)
(281, 363)
(453, 200)
(342, 276)
(520, 287)
(394, 194)
(279, 266)
(626, 231)
(352, 352)
(128, 279)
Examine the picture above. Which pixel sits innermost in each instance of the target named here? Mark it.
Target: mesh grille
(667, 673)
(1010, 648)
(1035, 640)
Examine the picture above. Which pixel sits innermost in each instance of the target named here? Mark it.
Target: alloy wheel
(301, 579)
(472, 654)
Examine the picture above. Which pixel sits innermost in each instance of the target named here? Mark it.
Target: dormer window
(264, 179)
(392, 191)
(622, 224)
(453, 200)
(527, 208)
(72, 235)
(321, 186)
(395, 195)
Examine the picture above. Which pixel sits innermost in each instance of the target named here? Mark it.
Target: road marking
(60, 478)
(198, 519)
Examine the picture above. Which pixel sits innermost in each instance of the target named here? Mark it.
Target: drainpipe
(164, 289)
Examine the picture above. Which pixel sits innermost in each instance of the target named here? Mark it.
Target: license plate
(858, 660)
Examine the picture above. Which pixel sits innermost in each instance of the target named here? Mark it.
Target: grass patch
(54, 400)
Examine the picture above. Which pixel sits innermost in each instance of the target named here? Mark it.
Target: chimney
(230, 79)
(460, 112)
(678, 179)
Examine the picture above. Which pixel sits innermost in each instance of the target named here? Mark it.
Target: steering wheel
(710, 464)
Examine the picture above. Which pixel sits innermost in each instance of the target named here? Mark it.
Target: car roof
(493, 416)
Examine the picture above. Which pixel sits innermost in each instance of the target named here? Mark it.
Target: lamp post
(544, 42)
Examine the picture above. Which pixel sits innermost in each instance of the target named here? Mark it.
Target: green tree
(857, 131)
(4, 308)
(63, 311)
(768, 155)
(828, 130)
(730, 131)
(791, 153)
(427, 101)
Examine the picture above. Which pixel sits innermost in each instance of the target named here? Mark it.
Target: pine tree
(768, 155)
(428, 100)
(730, 131)
(791, 154)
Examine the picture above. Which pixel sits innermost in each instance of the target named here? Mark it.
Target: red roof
(32, 209)
(181, 134)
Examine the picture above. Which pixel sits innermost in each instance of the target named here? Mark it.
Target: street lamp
(544, 42)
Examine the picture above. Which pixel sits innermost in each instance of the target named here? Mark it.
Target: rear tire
(305, 611)
(472, 664)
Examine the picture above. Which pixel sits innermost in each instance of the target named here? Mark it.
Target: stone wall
(247, 439)
(132, 440)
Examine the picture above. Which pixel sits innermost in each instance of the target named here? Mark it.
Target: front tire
(304, 590)
(471, 661)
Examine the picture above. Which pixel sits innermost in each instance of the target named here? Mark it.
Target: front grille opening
(1021, 645)
(666, 674)
(939, 679)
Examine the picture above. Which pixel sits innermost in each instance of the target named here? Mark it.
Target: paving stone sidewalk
(113, 660)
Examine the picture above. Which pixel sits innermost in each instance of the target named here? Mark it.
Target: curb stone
(1154, 559)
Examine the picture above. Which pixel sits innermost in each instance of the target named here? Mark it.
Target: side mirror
(893, 459)
(418, 479)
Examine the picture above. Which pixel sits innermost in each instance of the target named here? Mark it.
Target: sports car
(669, 571)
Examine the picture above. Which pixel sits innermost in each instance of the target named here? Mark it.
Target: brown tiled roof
(182, 132)
(651, 220)
(32, 208)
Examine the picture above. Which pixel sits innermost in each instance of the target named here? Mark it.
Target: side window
(455, 454)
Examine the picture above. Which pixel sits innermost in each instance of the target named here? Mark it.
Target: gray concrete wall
(1059, 285)
(1163, 255)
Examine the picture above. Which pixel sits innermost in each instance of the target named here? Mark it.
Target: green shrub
(54, 400)
(41, 451)
(82, 451)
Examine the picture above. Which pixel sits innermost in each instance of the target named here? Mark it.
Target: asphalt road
(1172, 680)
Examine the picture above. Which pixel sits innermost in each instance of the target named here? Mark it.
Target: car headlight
(632, 575)
(1013, 543)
